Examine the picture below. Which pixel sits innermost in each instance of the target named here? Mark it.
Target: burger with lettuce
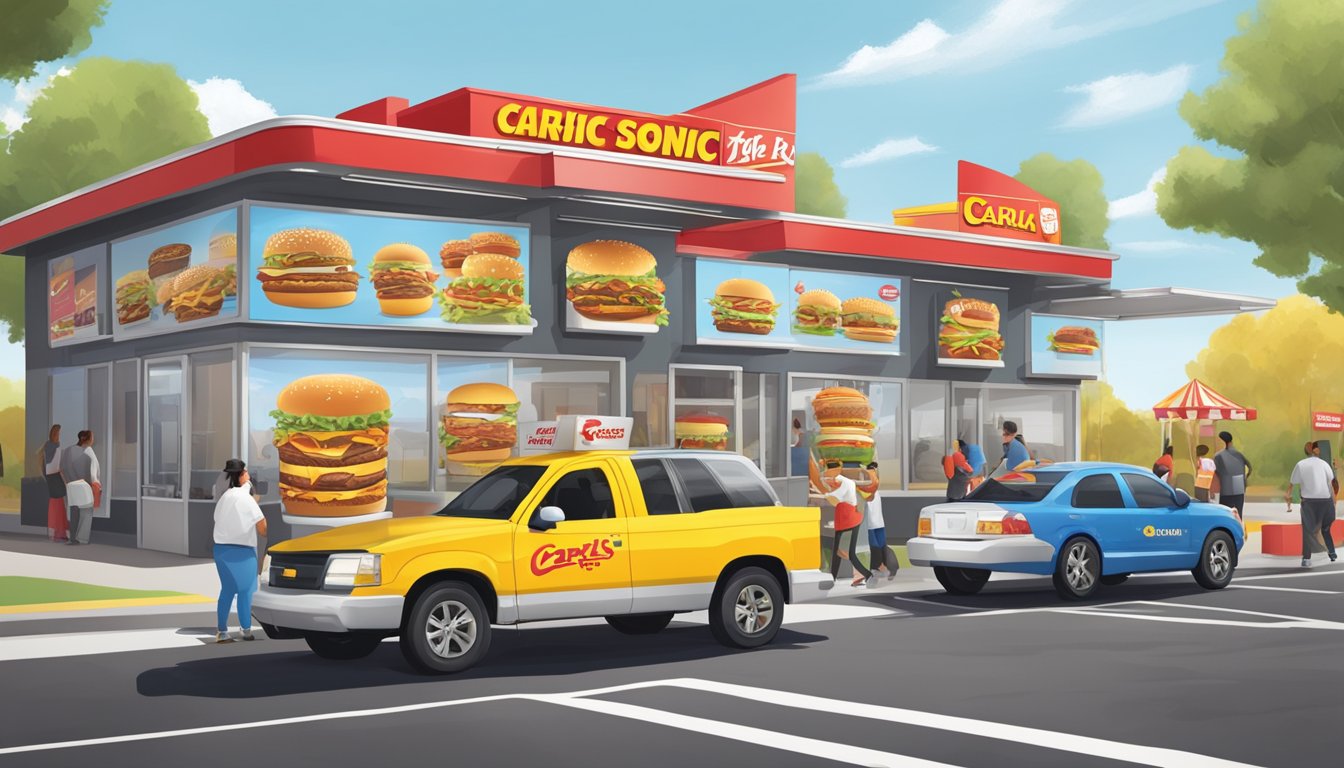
(613, 280)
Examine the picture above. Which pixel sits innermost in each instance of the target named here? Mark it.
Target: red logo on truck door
(589, 556)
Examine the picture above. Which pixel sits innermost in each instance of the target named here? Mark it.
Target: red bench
(1286, 538)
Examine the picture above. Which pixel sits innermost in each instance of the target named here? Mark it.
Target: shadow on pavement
(526, 653)
(1020, 594)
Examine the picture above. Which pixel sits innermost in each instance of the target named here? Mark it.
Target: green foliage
(1112, 432)
(11, 296)
(1077, 186)
(36, 31)
(1280, 109)
(16, 450)
(814, 188)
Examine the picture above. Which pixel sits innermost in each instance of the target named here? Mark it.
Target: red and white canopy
(1196, 401)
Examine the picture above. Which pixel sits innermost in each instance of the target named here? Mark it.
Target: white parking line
(1115, 750)
(1303, 574)
(1288, 622)
(1282, 589)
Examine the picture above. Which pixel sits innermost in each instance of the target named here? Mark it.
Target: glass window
(660, 496)
(1044, 418)
(125, 438)
(550, 388)
(648, 405)
(163, 427)
(706, 384)
(1017, 486)
(584, 494)
(928, 434)
(744, 487)
(495, 496)
(772, 431)
(1098, 492)
(212, 420)
(884, 399)
(1149, 493)
(751, 417)
(705, 410)
(702, 490)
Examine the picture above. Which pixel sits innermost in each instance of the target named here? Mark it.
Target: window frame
(673, 463)
(1120, 495)
(683, 502)
(709, 463)
(1134, 497)
(607, 473)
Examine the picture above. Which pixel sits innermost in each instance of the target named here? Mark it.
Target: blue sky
(991, 82)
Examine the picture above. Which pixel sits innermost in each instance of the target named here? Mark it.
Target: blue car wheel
(1216, 561)
(1077, 569)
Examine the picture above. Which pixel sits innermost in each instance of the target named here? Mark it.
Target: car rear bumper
(321, 612)
(926, 550)
(807, 586)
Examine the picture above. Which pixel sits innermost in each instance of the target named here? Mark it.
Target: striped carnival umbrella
(1197, 402)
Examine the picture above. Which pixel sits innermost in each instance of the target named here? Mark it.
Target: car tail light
(1010, 525)
(925, 526)
(1016, 524)
(989, 527)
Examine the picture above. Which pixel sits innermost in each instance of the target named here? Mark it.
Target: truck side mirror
(546, 518)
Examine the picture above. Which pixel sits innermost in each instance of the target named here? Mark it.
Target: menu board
(1064, 347)
(73, 308)
(612, 286)
(967, 324)
(179, 276)
(748, 304)
(366, 269)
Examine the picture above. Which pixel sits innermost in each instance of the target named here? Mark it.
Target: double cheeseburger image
(331, 433)
(403, 279)
(846, 421)
(1074, 340)
(743, 306)
(613, 280)
(817, 312)
(701, 431)
(134, 298)
(489, 284)
(970, 330)
(454, 252)
(197, 293)
(308, 268)
(479, 427)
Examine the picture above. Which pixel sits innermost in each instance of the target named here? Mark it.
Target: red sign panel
(1327, 422)
(991, 203)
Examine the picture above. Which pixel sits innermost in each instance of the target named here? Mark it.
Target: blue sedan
(1083, 523)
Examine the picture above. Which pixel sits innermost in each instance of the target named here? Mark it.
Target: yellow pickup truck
(633, 536)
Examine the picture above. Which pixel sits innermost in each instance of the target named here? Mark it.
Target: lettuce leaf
(451, 312)
(289, 423)
(447, 440)
(882, 321)
(493, 283)
(577, 278)
(722, 309)
(815, 330)
(405, 266)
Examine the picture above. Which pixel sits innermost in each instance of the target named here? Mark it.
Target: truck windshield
(1017, 486)
(495, 496)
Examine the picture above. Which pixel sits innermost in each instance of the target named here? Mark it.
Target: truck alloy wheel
(1216, 560)
(448, 630)
(1078, 571)
(747, 609)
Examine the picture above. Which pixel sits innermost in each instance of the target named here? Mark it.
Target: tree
(105, 117)
(814, 188)
(1285, 363)
(35, 32)
(1113, 432)
(1076, 186)
(1280, 109)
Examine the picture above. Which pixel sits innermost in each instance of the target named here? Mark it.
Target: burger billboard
(612, 286)
(76, 301)
(181, 275)
(967, 325)
(1064, 347)
(741, 304)
(327, 267)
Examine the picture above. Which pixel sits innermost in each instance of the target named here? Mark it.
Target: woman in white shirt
(238, 520)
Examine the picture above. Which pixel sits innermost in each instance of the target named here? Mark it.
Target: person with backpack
(1165, 465)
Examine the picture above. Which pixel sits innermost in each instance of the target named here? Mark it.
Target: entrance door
(163, 505)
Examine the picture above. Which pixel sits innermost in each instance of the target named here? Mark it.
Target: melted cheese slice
(309, 442)
(322, 497)
(313, 473)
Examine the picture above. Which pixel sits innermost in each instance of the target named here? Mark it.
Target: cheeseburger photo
(308, 268)
(701, 431)
(451, 255)
(490, 290)
(134, 297)
(970, 330)
(615, 281)
(195, 294)
(846, 427)
(741, 305)
(1074, 340)
(479, 427)
(331, 433)
(167, 262)
(869, 320)
(817, 312)
(403, 280)
(495, 242)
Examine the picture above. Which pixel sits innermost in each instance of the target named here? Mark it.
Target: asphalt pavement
(1153, 672)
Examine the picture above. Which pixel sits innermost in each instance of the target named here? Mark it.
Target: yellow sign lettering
(502, 117)
(625, 133)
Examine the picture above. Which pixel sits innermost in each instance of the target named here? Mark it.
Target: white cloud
(228, 106)
(1008, 31)
(1141, 203)
(1164, 246)
(14, 114)
(1120, 96)
(888, 150)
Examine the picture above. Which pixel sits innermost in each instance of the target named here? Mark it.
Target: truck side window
(702, 490)
(745, 488)
(660, 496)
(583, 494)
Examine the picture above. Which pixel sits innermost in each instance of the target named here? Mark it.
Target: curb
(94, 605)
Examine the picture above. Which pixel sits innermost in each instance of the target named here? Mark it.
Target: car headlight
(354, 570)
(266, 569)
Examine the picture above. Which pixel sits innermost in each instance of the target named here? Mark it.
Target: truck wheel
(1215, 561)
(341, 646)
(1078, 570)
(747, 610)
(961, 581)
(447, 630)
(640, 624)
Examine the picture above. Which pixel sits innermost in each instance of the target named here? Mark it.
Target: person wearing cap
(238, 520)
(1231, 470)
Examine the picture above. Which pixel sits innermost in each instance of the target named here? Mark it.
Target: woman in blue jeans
(238, 520)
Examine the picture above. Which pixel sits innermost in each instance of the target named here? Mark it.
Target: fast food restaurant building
(174, 392)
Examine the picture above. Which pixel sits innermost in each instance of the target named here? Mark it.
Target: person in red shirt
(843, 493)
(959, 472)
(1164, 465)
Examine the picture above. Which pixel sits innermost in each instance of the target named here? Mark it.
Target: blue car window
(1017, 486)
(1098, 492)
(1149, 492)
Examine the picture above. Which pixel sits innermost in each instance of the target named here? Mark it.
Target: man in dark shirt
(1232, 470)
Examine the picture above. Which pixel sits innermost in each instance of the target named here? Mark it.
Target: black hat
(234, 465)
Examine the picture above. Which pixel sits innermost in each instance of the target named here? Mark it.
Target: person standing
(1232, 470)
(844, 495)
(1204, 472)
(881, 559)
(1014, 450)
(958, 470)
(81, 464)
(49, 456)
(238, 520)
(1317, 483)
(1165, 465)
